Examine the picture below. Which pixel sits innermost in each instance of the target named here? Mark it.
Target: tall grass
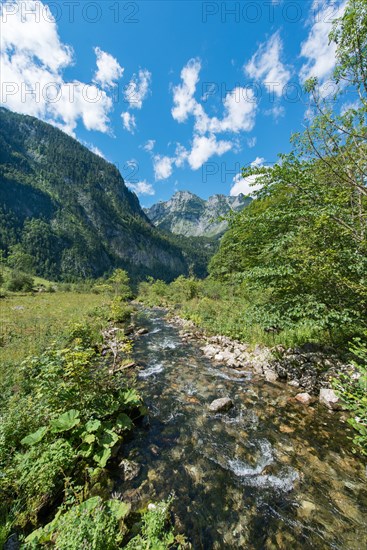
(29, 323)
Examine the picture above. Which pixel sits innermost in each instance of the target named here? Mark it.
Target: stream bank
(310, 367)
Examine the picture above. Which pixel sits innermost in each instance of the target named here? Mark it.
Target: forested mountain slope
(70, 210)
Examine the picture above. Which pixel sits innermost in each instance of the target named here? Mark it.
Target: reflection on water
(269, 474)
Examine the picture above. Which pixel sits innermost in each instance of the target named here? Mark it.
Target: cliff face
(189, 215)
(71, 210)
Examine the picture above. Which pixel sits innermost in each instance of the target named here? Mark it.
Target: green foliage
(154, 293)
(118, 285)
(354, 393)
(223, 308)
(44, 440)
(19, 282)
(37, 475)
(154, 533)
(92, 524)
(290, 248)
(65, 421)
(19, 260)
(119, 312)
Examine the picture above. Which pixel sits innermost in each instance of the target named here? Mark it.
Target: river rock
(270, 375)
(141, 331)
(223, 404)
(304, 398)
(329, 398)
(130, 469)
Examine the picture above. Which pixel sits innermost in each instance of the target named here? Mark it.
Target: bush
(155, 533)
(120, 312)
(354, 393)
(92, 524)
(20, 282)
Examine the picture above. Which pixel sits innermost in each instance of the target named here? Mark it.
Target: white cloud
(138, 89)
(96, 151)
(251, 142)
(277, 111)
(239, 111)
(128, 120)
(183, 94)
(246, 186)
(162, 166)
(108, 69)
(141, 188)
(259, 161)
(149, 145)
(239, 114)
(316, 48)
(33, 59)
(239, 105)
(266, 65)
(205, 147)
(181, 155)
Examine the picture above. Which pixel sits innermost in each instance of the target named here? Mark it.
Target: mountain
(189, 215)
(68, 212)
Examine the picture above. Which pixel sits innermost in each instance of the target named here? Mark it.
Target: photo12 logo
(71, 11)
(255, 11)
(252, 11)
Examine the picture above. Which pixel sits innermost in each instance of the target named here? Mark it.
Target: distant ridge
(187, 214)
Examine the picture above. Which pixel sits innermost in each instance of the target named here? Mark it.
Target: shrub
(92, 524)
(155, 532)
(120, 312)
(20, 282)
(354, 393)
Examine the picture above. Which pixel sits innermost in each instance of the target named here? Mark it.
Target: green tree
(20, 260)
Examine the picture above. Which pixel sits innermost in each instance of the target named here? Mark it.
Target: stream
(268, 474)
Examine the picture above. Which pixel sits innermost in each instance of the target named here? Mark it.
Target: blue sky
(179, 95)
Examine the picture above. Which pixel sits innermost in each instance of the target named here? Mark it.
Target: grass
(30, 322)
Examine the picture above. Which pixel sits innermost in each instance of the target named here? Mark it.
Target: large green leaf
(123, 422)
(89, 438)
(90, 504)
(35, 437)
(66, 421)
(119, 509)
(102, 457)
(93, 425)
(131, 397)
(108, 439)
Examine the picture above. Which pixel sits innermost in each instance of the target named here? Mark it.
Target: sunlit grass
(28, 323)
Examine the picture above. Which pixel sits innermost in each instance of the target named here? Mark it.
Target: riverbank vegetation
(65, 411)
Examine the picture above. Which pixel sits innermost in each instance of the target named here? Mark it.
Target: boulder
(270, 375)
(141, 331)
(222, 404)
(130, 469)
(210, 351)
(304, 398)
(329, 398)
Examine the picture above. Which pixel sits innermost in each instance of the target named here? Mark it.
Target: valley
(183, 276)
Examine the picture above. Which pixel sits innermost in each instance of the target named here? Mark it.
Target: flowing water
(270, 474)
